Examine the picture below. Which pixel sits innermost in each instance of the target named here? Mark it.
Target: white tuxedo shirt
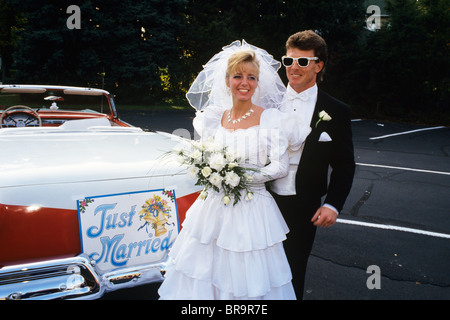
(299, 106)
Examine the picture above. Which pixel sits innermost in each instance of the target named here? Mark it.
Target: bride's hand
(324, 217)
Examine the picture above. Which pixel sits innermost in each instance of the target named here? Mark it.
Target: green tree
(409, 59)
(10, 22)
(121, 44)
(436, 16)
(268, 24)
(340, 23)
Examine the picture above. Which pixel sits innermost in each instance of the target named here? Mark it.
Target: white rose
(192, 172)
(198, 144)
(249, 196)
(206, 171)
(232, 179)
(216, 179)
(196, 155)
(324, 116)
(217, 161)
(232, 165)
(226, 200)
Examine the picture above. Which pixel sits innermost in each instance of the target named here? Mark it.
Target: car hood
(53, 157)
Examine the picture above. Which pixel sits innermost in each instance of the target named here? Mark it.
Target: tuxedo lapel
(312, 171)
(319, 107)
(315, 116)
(312, 175)
(314, 135)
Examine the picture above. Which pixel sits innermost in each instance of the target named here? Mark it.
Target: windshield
(56, 100)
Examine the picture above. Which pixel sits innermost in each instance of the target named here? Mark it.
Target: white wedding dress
(236, 252)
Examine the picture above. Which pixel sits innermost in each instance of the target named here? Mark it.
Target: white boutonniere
(323, 116)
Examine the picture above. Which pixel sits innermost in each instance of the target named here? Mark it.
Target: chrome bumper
(71, 278)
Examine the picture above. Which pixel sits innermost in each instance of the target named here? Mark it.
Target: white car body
(49, 172)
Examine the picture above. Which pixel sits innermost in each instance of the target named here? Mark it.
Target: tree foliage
(122, 44)
(268, 24)
(151, 49)
(409, 58)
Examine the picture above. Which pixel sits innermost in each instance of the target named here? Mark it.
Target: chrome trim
(52, 279)
(44, 88)
(134, 276)
(71, 278)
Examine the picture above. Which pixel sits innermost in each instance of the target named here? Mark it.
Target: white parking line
(402, 168)
(405, 132)
(390, 227)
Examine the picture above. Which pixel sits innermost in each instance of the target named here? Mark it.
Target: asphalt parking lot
(397, 217)
(392, 239)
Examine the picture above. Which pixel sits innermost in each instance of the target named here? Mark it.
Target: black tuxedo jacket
(337, 154)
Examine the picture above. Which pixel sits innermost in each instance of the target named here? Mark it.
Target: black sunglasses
(302, 61)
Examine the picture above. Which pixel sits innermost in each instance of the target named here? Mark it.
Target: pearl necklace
(245, 116)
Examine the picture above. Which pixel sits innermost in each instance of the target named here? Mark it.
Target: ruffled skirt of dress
(230, 252)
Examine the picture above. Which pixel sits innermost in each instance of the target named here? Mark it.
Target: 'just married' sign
(128, 229)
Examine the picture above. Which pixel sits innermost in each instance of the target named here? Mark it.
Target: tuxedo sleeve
(342, 160)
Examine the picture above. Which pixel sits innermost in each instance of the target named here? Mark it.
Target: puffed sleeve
(277, 142)
(207, 121)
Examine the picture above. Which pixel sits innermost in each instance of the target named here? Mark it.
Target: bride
(236, 251)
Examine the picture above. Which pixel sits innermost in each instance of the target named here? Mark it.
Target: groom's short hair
(310, 40)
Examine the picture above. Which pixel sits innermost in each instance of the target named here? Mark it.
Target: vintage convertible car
(88, 203)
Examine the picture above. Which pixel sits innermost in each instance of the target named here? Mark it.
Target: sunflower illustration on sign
(156, 213)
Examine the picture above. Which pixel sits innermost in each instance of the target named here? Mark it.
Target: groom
(328, 145)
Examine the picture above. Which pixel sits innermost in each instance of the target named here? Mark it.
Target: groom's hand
(324, 217)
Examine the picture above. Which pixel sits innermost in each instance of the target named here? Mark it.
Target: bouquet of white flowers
(216, 167)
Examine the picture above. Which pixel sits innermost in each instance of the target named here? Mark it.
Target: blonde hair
(237, 59)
